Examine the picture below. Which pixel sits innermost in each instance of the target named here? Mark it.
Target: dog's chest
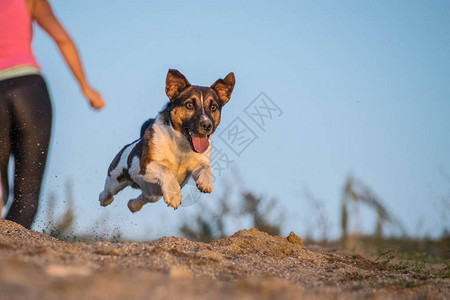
(171, 149)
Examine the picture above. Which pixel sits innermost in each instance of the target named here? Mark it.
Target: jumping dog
(173, 146)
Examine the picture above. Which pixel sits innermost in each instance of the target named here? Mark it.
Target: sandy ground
(247, 265)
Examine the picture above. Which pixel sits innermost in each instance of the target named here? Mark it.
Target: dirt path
(247, 265)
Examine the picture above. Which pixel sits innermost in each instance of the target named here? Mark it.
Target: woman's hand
(94, 97)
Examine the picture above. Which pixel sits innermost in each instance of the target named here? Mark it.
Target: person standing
(25, 108)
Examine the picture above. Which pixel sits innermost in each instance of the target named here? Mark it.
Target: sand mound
(247, 265)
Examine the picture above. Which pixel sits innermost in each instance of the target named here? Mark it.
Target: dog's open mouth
(200, 142)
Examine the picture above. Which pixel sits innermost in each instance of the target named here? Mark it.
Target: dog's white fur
(173, 161)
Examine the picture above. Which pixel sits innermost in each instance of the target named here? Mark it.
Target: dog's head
(195, 110)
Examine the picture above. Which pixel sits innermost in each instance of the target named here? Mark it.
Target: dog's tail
(146, 125)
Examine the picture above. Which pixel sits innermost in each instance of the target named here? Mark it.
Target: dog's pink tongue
(200, 142)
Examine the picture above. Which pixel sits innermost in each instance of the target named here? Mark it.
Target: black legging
(25, 128)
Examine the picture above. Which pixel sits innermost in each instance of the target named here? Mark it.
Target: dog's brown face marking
(196, 109)
(194, 103)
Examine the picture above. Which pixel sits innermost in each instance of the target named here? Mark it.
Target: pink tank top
(16, 33)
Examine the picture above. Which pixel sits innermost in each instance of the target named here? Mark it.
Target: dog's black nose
(206, 125)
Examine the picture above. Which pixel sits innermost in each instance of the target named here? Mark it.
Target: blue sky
(363, 87)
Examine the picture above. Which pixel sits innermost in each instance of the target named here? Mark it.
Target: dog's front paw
(172, 194)
(205, 182)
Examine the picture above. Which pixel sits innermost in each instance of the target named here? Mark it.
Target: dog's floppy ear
(175, 84)
(224, 88)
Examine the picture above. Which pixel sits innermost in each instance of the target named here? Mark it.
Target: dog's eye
(189, 105)
(213, 107)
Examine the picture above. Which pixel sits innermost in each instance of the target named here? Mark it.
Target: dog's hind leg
(105, 198)
(112, 187)
(136, 204)
(150, 193)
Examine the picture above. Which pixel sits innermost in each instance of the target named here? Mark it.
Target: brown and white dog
(172, 147)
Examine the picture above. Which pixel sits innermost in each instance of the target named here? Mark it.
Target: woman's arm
(43, 13)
